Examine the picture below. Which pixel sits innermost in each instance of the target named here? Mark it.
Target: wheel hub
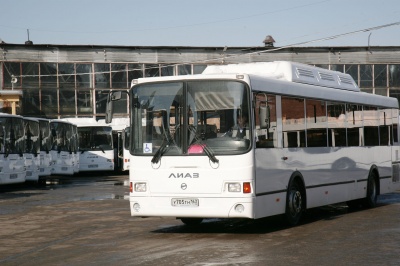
(295, 202)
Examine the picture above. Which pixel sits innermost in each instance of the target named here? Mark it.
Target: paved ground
(85, 220)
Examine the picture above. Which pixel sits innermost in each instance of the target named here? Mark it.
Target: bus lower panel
(208, 207)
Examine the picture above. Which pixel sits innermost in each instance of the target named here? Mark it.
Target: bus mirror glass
(116, 95)
(109, 108)
(264, 117)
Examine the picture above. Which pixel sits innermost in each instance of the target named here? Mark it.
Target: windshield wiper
(208, 151)
(163, 148)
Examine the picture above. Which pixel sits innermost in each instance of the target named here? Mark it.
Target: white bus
(45, 139)
(121, 154)
(95, 146)
(12, 146)
(32, 148)
(63, 147)
(312, 139)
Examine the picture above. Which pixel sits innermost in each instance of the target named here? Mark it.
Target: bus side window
(293, 122)
(265, 120)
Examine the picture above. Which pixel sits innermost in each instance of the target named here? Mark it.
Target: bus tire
(372, 190)
(295, 202)
(191, 221)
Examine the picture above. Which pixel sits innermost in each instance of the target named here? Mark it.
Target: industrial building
(59, 81)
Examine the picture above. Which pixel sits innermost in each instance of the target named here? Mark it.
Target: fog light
(234, 187)
(136, 207)
(239, 208)
(140, 187)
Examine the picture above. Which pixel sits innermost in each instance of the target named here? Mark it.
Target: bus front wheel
(294, 202)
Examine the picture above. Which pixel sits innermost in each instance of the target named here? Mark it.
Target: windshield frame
(182, 101)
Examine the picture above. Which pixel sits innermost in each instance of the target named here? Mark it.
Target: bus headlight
(140, 187)
(234, 187)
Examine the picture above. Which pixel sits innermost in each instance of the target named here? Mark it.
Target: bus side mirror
(264, 117)
(112, 96)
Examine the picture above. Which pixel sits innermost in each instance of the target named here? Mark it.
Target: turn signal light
(246, 187)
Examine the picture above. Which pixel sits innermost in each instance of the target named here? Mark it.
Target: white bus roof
(290, 71)
(116, 124)
(306, 81)
(82, 121)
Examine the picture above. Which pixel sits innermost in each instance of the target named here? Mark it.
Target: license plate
(41, 170)
(28, 173)
(64, 168)
(190, 202)
(93, 165)
(13, 176)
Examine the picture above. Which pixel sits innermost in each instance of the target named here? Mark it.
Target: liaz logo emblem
(184, 175)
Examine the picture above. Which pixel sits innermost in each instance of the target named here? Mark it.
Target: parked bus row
(31, 148)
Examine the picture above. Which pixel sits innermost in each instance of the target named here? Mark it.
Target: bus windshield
(207, 117)
(13, 135)
(45, 135)
(95, 138)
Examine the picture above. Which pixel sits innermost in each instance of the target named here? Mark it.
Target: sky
(209, 23)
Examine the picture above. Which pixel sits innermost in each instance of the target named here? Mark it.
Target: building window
(339, 68)
(152, 70)
(380, 76)
(66, 75)
(119, 77)
(167, 71)
(49, 102)
(394, 75)
(198, 69)
(67, 102)
(352, 70)
(102, 76)
(135, 71)
(184, 69)
(366, 76)
(85, 102)
(84, 76)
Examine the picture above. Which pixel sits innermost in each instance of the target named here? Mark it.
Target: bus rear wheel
(294, 203)
(191, 221)
(372, 191)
